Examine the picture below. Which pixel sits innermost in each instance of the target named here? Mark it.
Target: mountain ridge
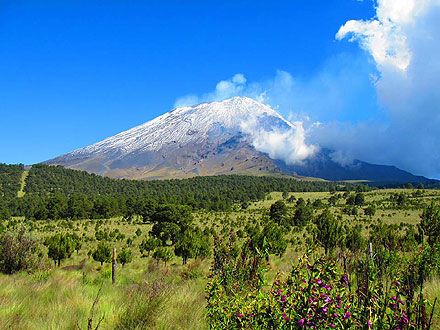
(212, 139)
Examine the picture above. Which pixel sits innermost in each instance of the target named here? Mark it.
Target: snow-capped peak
(187, 124)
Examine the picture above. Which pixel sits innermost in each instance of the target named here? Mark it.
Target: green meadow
(152, 294)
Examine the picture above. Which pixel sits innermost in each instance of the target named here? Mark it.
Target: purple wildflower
(327, 287)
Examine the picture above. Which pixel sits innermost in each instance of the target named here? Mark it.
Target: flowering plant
(314, 295)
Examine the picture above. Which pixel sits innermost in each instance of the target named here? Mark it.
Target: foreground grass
(146, 295)
(62, 299)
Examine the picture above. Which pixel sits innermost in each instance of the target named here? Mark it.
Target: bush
(278, 212)
(103, 253)
(124, 257)
(370, 211)
(61, 246)
(270, 240)
(354, 241)
(149, 244)
(163, 254)
(328, 231)
(430, 223)
(192, 243)
(4, 214)
(18, 251)
(303, 214)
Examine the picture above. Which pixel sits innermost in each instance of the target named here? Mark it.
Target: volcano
(214, 139)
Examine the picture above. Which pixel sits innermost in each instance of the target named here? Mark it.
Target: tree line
(53, 192)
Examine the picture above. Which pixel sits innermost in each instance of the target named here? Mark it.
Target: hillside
(45, 180)
(321, 165)
(10, 179)
(216, 192)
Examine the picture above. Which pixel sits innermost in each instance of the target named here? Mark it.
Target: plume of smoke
(321, 96)
(288, 144)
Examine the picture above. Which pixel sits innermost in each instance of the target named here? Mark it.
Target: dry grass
(59, 299)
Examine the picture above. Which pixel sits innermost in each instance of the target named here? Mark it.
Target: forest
(55, 192)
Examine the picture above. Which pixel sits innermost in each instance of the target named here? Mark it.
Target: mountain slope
(321, 165)
(210, 139)
(185, 142)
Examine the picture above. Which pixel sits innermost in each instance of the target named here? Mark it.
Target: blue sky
(75, 72)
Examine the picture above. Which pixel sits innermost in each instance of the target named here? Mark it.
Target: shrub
(236, 268)
(148, 245)
(61, 246)
(124, 256)
(354, 241)
(18, 251)
(370, 211)
(191, 243)
(163, 254)
(4, 214)
(359, 199)
(271, 239)
(430, 223)
(328, 231)
(303, 213)
(103, 253)
(278, 212)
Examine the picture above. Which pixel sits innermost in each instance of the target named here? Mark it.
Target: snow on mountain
(206, 139)
(186, 125)
(234, 136)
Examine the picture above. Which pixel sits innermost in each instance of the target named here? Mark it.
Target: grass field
(149, 294)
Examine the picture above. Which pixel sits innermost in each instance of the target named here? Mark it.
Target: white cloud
(382, 39)
(383, 36)
(331, 93)
(287, 145)
(239, 79)
(186, 100)
(224, 89)
(404, 41)
(385, 111)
